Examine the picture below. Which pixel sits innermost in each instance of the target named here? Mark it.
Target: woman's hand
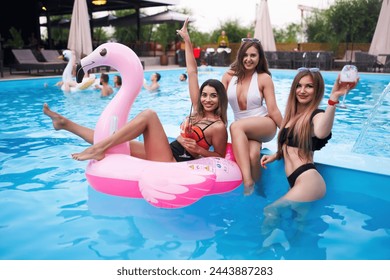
(267, 159)
(190, 145)
(185, 127)
(183, 32)
(340, 89)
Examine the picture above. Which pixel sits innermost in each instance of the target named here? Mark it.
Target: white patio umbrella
(263, 28)
(380, 43)
(80, 40)
(167, 16)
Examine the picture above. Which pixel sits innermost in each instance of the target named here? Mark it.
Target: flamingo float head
(127, 63)
(116, 55)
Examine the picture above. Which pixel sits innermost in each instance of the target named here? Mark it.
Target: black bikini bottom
(293, 176)
(179, 153)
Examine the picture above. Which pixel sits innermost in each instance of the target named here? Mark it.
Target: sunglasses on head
(250, 40)
(312, 70)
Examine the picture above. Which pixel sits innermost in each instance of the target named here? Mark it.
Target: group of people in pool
(249, 89)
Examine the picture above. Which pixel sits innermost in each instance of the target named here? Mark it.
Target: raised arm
(323, 123)
(192, 67)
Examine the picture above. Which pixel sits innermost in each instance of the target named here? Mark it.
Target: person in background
(197, 52)
(304, 130)
(155, 78)
(223, 40)
(223, 50)
(249, 85)
(104, 87)
(117, 81)
(183, 77)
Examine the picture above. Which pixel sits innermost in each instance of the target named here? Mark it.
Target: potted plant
(16, 42)
(164, 35)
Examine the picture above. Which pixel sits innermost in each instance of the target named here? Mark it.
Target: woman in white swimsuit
(248, 83)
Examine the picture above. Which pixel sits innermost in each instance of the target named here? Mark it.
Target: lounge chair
(300, 59)
(26, 61)
(1, 63)
(348, 58)
(366, 62)
(271, 58)
(52, 56)
(386, 65)
(320, 59)
(279, 59)
(284, 60)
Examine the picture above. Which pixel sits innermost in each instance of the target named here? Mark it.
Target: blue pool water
(48, 210)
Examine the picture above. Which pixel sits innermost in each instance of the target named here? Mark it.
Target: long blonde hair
(302, 125)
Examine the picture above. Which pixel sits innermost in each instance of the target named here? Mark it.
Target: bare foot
(249, 187)
(248, 190)
(59, 121)
(92, 152)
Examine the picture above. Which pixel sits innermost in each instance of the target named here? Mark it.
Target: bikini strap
(209, 125)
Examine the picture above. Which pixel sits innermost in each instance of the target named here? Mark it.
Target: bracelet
(332, 103)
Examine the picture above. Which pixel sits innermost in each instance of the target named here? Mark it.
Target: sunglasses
(312, 70)
(254, 40)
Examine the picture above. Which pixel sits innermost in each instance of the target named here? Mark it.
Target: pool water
(48, 210)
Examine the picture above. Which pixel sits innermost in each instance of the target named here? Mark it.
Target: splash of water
(368, 123)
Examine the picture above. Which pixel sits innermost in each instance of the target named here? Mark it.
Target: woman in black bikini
(210, 111)
(305, 129)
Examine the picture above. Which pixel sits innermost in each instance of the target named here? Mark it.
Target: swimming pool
(50, 212)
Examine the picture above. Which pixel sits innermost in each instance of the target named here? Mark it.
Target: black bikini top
(286, 136)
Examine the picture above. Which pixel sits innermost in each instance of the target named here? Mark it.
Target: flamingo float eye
(103, 52)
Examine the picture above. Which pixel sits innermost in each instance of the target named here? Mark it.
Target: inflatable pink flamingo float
(162, 184)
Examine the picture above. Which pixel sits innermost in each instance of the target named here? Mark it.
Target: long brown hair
(238, 66)
(302, 126)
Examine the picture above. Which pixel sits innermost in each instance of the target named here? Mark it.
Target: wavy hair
(221, 110)
(302, 126)
(238, 65)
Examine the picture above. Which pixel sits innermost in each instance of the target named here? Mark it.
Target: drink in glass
(348, 77)
(186, 132)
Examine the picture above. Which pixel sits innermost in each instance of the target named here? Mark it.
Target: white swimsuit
(254, 106)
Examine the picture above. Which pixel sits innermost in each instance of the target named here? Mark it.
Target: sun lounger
(366, 62)
(52, 56)
(348, 58)
(386, 65)
(1, 63)
(26, 61)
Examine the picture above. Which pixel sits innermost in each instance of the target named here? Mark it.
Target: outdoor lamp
(99, 2)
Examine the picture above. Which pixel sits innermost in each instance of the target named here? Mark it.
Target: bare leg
(137, 149)
(254, 155)
(68, 85)
(245, 133)
(147, 123)
(60, 122)
(241, 152)
(309, 186)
